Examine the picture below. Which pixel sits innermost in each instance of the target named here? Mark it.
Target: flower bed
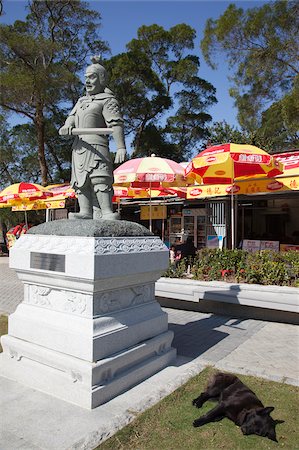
(238, 266)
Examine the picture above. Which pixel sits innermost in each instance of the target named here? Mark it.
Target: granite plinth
(91, 228)
(89, 326)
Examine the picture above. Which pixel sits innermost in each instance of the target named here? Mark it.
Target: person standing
(92, 169)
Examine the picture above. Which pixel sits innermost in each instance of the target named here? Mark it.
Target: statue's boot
(105, 202)
(85, 208)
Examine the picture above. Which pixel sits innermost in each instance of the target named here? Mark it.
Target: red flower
(224, 272)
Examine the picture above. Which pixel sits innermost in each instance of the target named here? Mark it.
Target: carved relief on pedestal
(127, 245)
(58, 300)
(75, 302)
(123, 298)
(14, 354)
(75, 376)
(61, 244)
(39, 295)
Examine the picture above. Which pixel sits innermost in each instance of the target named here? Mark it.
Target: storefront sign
(208, 191)
(157, 212)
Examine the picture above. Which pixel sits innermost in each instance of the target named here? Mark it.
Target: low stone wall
(276, 303)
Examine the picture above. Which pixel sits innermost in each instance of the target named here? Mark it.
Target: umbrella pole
(232, 219)
(163, 221)
(26, 219)
(150, 211)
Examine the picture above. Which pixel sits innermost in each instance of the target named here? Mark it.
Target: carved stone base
(81, 382)
(89, 327)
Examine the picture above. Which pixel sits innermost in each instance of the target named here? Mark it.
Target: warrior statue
(92, 169)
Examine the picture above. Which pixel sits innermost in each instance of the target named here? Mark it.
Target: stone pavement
(34, 420)
(11, 289)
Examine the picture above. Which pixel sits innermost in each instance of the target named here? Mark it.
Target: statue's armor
(91, 152)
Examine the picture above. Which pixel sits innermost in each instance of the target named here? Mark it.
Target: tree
(41, 58)
(7, 172)
(156, 82)
(262, 46)
(222, 132)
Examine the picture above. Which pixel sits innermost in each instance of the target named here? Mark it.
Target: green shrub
(265, 267)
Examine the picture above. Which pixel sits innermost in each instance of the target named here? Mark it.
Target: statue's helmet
(99, 69)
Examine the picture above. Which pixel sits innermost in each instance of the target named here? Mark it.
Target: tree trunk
(40, 128)
(57, 162)
(137, 139)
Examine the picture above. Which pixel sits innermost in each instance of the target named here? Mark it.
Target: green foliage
(176, 270)
(280, 122)
(3, 327)
(221, 132)
(261, 45)
(157, 80)
(272, 268)
(265, 267)
(40, 61)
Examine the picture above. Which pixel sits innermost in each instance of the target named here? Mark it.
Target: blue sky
(121, 19)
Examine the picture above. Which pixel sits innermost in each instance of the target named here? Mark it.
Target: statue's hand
(65, 130)
(120, 156)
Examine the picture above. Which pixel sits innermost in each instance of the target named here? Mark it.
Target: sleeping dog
(239, 404)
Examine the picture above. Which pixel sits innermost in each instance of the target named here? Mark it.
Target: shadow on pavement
(195, 338)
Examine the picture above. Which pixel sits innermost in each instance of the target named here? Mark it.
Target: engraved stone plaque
(47, 261)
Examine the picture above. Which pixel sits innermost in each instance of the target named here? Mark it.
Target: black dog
(239, 404)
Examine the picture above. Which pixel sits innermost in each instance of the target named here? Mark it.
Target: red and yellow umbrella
(223, 164)
(226, 163)
(152, 171)
(130, 192)
(61, 191)
(19, 192)
(20, 195)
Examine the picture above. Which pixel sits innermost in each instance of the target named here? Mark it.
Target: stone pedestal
(89, 327)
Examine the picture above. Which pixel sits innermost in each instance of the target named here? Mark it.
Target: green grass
(168, 425)
(3, 327)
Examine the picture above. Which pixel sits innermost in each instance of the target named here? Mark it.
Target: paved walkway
(11, 289)
(247, 346)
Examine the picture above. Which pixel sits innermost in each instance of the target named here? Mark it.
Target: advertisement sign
(214, 241)
(270, 245)
(289, 247)
(251, 245)
(157, 212)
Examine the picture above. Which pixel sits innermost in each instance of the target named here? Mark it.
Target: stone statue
(92, 169)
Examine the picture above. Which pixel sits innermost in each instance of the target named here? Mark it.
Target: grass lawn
(3, 327)
(168, 425)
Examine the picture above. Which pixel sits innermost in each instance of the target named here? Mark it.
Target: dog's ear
(278, 421)
(266, 410)
(272, 435)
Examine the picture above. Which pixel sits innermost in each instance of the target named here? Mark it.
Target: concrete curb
(270, 297)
